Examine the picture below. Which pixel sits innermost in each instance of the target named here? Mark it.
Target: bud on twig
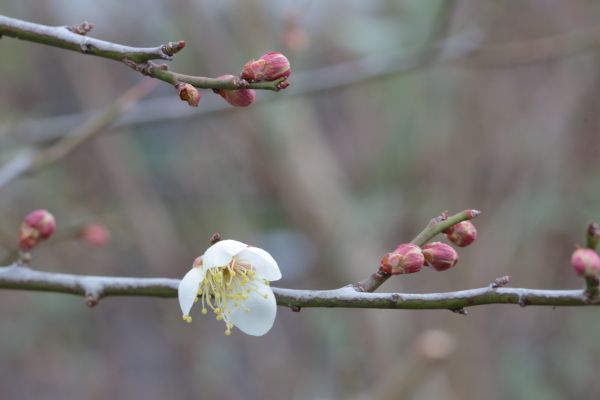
(405, 259)
(188, 93)
(440, 255)
(585, 262)
(237, 98)
(462, 234)
(38, 225)
(269, 67)
(95, 235)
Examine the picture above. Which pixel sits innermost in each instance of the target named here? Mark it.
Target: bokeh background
(445, 105)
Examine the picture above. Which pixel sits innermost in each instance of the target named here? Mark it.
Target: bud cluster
(409, 258)
(269, 67)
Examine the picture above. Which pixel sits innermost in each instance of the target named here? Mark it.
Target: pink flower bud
(269, 67)
(440, 255)
(239, 97)
(585, 262)
(462, 234)
(95, 235)
(38, 225)
(405, 259)
(188, 93)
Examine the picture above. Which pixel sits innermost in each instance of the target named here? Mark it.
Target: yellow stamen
(224, 288)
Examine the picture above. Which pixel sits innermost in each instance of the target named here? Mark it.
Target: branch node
(500, 282)
(282, 85)
(172, 48)
(86, 48)
(523, 301)
(92, 299)
(24, 258)
(81, 29)
(460, 310)
(240, 83)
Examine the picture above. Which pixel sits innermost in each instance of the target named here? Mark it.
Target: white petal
(264, 264)
(221, 253)
(188, 289)
(256, 314)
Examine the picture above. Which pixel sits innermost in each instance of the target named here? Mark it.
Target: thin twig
(94, 288)
(32, 160)
(138, 58)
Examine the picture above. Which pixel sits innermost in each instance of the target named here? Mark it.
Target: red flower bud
(269, 67)
(95, 235)
(462, 234)
(585, 262)
(239, 97)
(188, 93)
(440, 255)
(406, 259)
(38, 225)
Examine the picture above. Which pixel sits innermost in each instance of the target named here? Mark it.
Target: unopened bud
(462, 234)
(38, 225)
(95, 235)
(239, 97)
(405, 259)
(188, 93)
(585, 262)
(440, 255)
(269, 67)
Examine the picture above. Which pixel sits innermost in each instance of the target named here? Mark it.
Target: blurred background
(398, 110)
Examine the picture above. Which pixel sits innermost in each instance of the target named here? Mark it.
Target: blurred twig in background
(32, 160)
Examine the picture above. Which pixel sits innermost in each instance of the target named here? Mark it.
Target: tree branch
(93, 288)
(138, 58)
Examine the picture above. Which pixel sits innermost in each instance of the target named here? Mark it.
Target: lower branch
(93, 288)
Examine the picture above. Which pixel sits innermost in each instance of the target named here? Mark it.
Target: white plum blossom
(232, 279)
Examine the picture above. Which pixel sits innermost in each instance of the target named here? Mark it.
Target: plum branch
(94, 288)
(75, 38)
(19, 276)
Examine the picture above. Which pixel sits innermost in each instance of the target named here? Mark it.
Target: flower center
(225, 288)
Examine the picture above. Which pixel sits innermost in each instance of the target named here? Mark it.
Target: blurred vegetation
(327, 182)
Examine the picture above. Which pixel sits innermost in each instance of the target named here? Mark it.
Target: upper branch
(63, 37)
(93, 288)
(138, 58)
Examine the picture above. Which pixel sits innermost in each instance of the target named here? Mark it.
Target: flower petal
(264, 264)
(221, 253)
(256, 314)
(188, 289)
